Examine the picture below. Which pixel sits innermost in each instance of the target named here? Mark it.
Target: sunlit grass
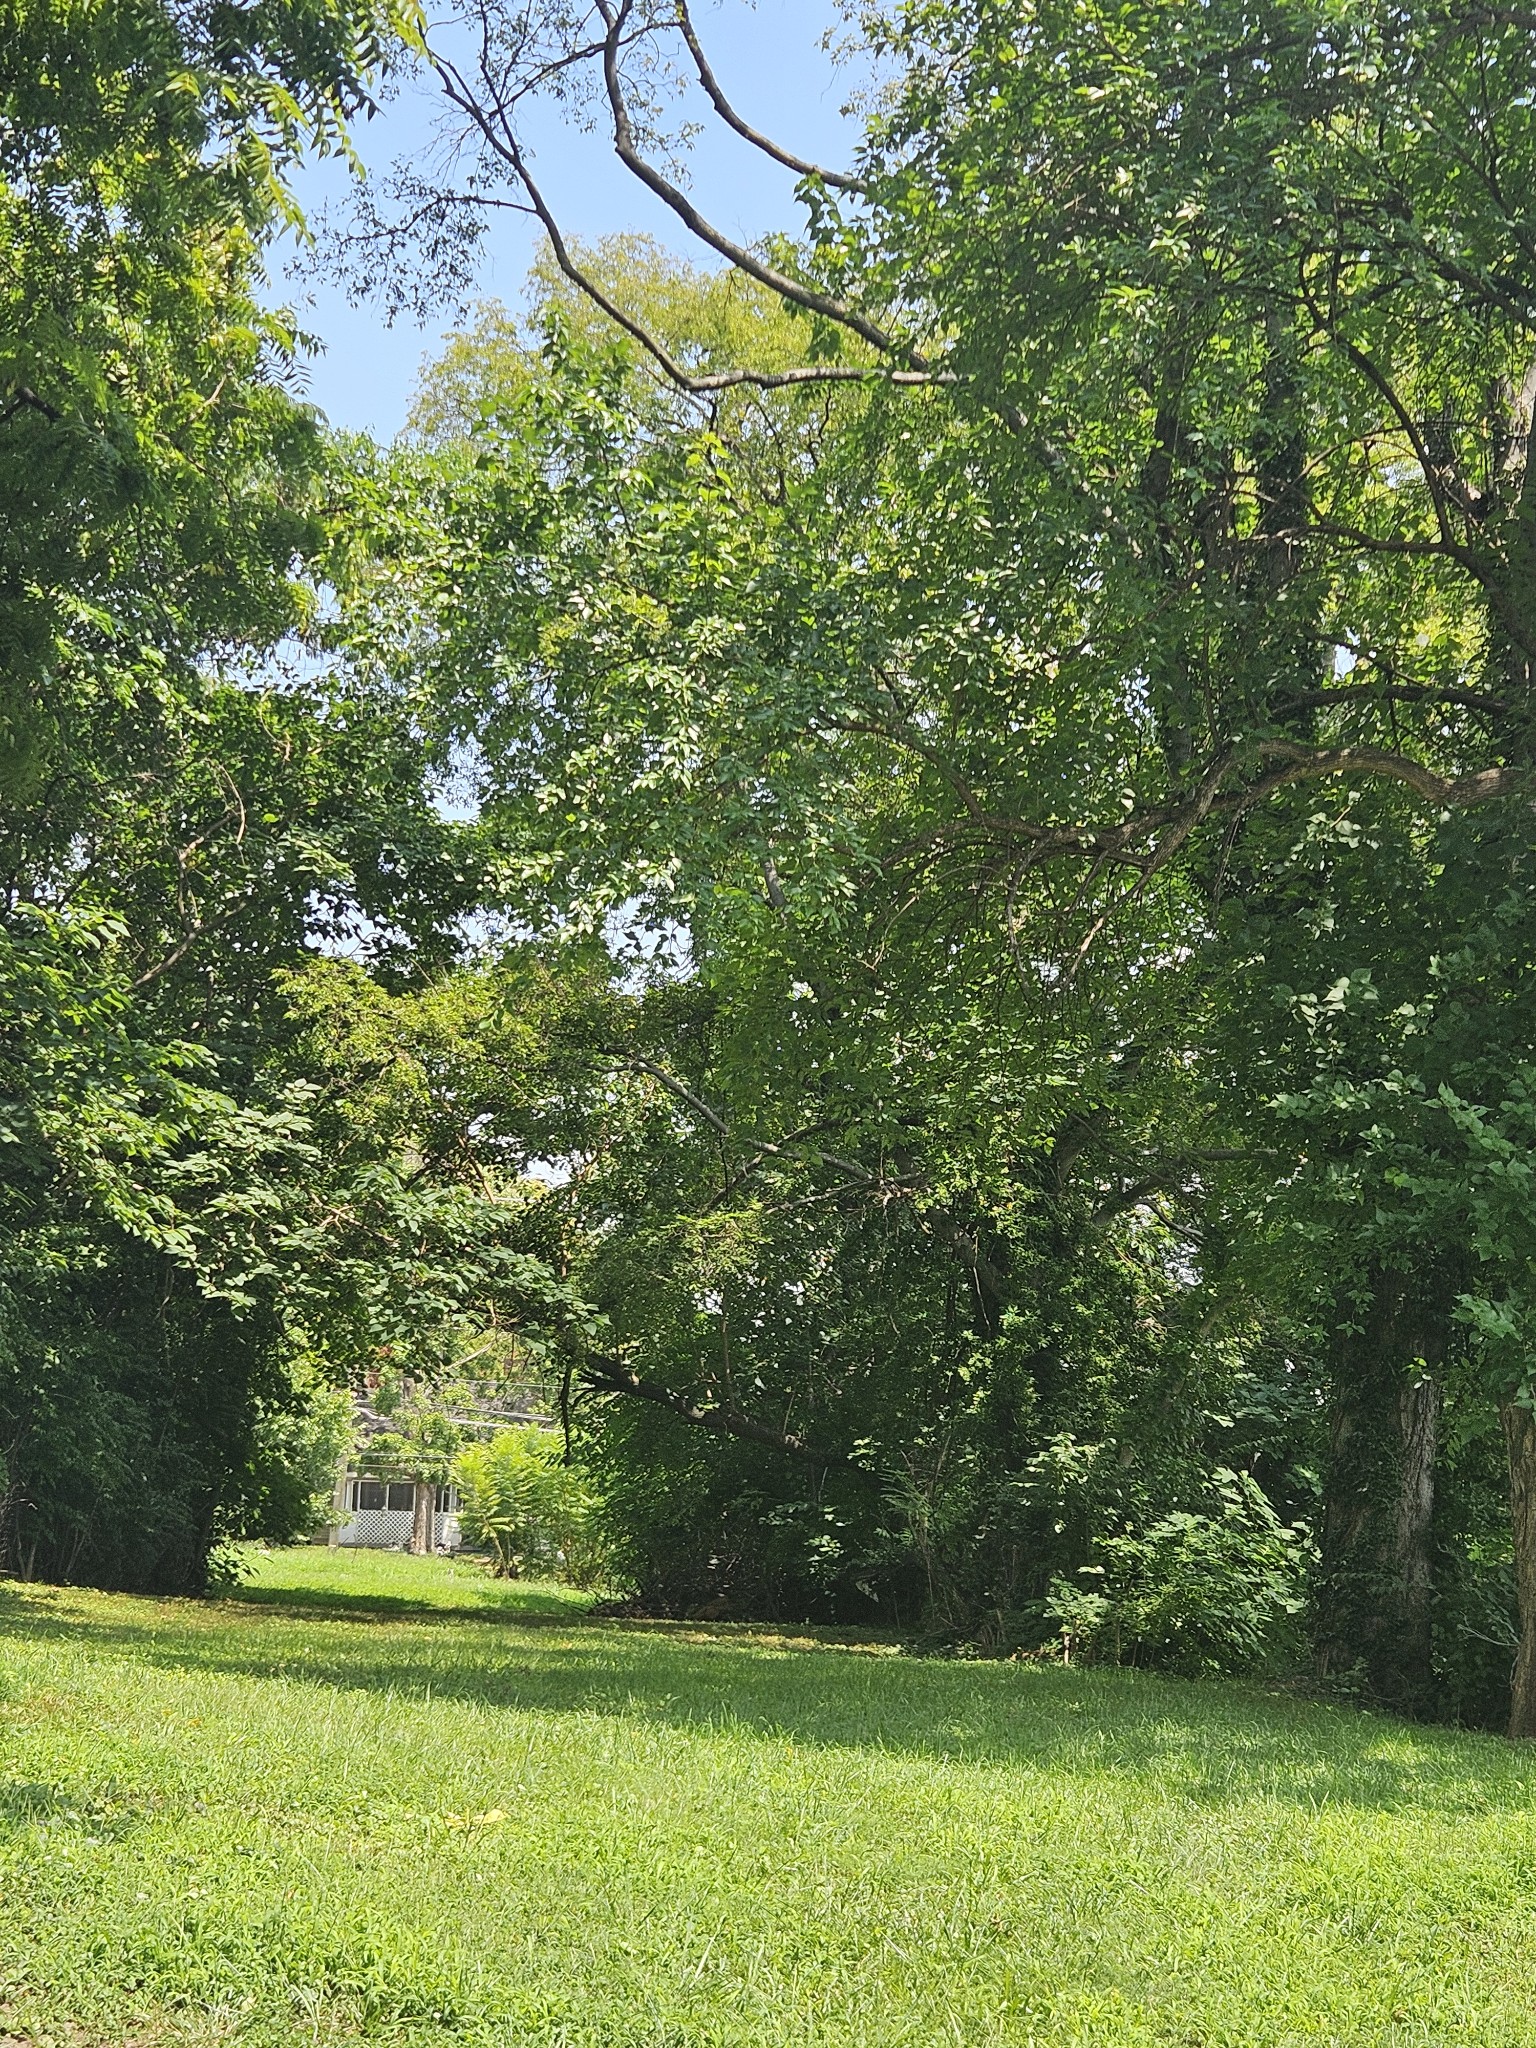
(344, 1581)
(377, 1798)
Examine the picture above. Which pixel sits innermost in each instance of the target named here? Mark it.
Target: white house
(378, 1514)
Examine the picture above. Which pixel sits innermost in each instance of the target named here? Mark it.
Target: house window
(402, 1494)
(370, 1494)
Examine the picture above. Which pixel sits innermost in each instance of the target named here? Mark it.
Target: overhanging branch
(607, 1376)
(839, 180)
(500, 137)
(1147, 838)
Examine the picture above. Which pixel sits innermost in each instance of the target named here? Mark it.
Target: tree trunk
(423, 1518)
(1412, 1554)
(338, 1501)
(1520, 1441)
(1375, 1598)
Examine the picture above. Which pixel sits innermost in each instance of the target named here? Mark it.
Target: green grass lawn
(378, 1798)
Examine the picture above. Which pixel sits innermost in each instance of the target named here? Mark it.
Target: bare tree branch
(840, 180)
(794, 1144)
(836, 310)
(1402, 693)
(1455, 792)
(503, 141)
(1131, 840)
(675, 1087)
(25, 399)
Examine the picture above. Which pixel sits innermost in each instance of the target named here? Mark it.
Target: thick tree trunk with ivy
(423, 1518)
(1520, 1440)
(1376, 1590)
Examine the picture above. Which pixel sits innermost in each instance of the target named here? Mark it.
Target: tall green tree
(868, 1183)
(187, 813)
(1194, 360)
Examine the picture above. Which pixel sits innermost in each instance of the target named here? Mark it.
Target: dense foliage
(1060, 691)
(186, 814)
(979, 1031)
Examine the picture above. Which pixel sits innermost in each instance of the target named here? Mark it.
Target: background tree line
(982, 1018)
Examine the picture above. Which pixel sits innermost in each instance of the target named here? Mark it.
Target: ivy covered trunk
(1520, 1440)
(1376, 1590)
(423, 1518)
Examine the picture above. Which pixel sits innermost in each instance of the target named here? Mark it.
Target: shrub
(528, 1508)
(1194, 1592)
(291, 1479)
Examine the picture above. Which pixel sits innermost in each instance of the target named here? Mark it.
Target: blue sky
(770, 62)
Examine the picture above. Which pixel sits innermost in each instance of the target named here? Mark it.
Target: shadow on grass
(1208, 1742)
(512, 1603)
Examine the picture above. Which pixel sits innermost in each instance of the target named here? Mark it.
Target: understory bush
(1065, 1457)
(1214, 1589)
(529, 1509)
(1476, 1613)
(700, 1524)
